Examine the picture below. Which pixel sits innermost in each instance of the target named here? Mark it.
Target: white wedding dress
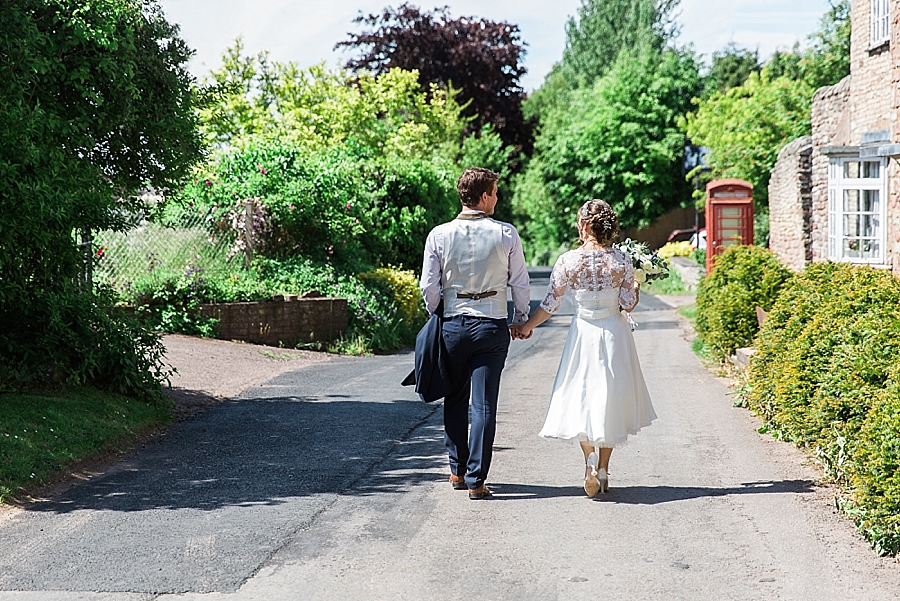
(599, 392)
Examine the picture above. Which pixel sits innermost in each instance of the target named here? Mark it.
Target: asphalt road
(329, 482)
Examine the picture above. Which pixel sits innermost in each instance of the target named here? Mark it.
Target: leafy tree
(731, 67)
(96, 104)
(481, 58)
(827, 60)
(605, 27)
(253, 98)
(746, 126)
(618, 140)
(349, 170)
(329, 205)
(786, 64)
(602, 29)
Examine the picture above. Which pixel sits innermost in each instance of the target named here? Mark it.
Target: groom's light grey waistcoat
(473, 262)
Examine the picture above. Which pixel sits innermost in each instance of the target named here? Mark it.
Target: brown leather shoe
(482, 492)
(458, 482)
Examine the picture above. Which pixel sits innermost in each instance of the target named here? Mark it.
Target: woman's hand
(518, 333)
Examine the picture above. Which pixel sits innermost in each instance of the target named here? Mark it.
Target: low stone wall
(688, 270)
(287, 321)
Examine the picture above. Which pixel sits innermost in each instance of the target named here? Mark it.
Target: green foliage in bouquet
(647, 265)
(745, 277)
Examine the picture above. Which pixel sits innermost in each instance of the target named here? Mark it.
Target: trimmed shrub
(876, 484)
(745, 277)
(825, 377)
(80, 343)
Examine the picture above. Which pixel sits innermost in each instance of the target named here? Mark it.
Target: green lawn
(671, 285)
(41, 434)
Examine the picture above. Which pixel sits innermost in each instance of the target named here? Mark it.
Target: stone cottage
(835, 195)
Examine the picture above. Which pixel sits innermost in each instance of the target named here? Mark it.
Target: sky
(305, 31)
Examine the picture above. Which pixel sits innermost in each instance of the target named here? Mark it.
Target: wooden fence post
(248, 233)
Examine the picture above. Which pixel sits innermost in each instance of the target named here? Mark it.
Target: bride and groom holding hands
(599, 396)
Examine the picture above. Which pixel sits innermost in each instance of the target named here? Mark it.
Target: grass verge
(40, 434)
(671, 285)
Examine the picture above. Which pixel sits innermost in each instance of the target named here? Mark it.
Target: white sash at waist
(594, 314)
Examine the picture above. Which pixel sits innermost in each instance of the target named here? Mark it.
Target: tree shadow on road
(263, 451)
(650, 495)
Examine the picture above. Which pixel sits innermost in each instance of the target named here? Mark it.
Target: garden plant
(826, 375)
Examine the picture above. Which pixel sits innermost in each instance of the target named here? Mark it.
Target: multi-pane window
(856, 205)
(880, 22)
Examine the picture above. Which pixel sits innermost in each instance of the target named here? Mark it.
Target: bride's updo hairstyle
(601, 220)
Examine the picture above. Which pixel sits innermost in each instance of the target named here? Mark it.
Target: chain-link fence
(169, 243)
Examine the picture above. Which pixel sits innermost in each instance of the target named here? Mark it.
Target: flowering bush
(675, 249)
(647, 265)
(336, 206)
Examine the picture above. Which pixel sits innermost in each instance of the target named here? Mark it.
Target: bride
(599, 395)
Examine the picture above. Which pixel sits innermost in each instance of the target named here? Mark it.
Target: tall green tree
(594, 38)
(827, 59)
(604, 28)
(746, 126)
(730, 68)
(96, 104)
(618, 140)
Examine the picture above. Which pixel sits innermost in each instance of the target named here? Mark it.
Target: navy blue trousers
(476, 353)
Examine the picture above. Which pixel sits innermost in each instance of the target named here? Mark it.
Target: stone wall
(286, 322)
(893, 182)
(830, 127)
(790, 204)
(871, 94)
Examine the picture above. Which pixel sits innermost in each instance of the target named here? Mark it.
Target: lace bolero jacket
(592, 271)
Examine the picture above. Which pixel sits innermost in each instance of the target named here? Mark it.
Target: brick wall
(285, 322)
(874, 104)
(871, 93)
(790, 204)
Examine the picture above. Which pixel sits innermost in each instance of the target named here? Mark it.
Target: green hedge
(825, 376)
(385, 305)
(745, 277)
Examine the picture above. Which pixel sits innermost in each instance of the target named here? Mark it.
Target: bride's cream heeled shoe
(592, 484)
(603, 480)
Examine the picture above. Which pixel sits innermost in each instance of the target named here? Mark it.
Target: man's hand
(517, 333)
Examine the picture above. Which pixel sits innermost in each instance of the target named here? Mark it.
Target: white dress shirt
(518, 273)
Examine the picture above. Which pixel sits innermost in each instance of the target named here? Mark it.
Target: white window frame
(837, 185)
(879, 22)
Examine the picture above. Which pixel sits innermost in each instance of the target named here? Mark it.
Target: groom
(470, 261)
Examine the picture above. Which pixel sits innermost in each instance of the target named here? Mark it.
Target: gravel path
(209, 371)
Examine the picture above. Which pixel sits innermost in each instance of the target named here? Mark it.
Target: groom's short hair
(474, 182)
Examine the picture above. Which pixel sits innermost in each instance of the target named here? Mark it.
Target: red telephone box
(729, 216)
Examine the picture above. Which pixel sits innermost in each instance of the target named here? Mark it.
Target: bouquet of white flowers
(647, 265)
